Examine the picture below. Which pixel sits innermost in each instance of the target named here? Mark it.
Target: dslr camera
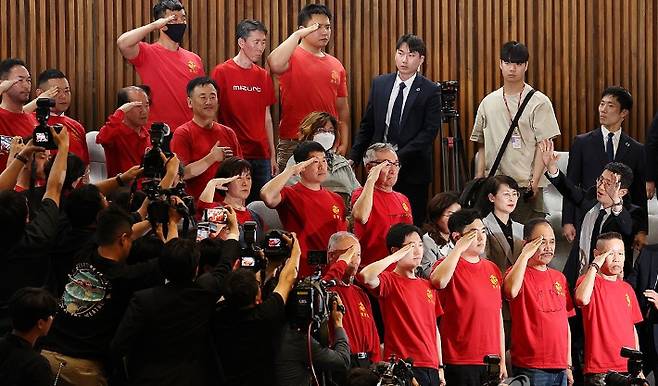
(41, 135)
(395, 372)
(634, 357)
(251, 254)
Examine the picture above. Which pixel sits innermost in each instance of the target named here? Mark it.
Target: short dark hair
(7, 64)
(622, 95)
(233, 166)
(398, 232)
(530, 226)
(112, 223)
(51, 73)
(75, 168)
(247, 26)
(13, 212)
(458, 221)
(491, 186)
(514, 52)
(624, 171)
(210, 250)
(28, 305)
(304, 149)
(161, 7)
(83, 205)
(435, 209)
(200, 81)
(123, 95)
(306, 13)
(179, 260)
(609, 236)
(415, 43)
(241, 288)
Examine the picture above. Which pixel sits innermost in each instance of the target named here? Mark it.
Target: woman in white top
(436, 240)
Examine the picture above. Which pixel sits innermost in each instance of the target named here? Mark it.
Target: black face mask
(175, 32)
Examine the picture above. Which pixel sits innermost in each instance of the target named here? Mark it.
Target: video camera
(154, 171)
(614, 378)
(41, 135)
(395, 372)
(312, 302)
(449, 91)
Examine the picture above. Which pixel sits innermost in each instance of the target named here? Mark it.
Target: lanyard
(517, 106)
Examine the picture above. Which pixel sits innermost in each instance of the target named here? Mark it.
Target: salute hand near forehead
(529, 249)
(162, 22)
(402, 252)
(298, 168)
(466, 240)
(7, 84)
(373, 174)
(129, 106)
(304, 32)
(220, 183)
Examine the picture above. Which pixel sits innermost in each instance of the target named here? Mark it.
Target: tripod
(453, 157)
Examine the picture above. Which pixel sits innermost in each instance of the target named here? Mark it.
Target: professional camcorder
(395, 372)
(312, 302)
(614, 378)
(41, 135)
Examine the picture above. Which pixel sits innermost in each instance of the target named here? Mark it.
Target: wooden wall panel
(577, 47)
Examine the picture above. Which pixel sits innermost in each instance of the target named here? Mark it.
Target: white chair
(97, 169)
(270, 217)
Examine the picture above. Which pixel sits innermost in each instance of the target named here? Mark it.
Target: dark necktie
(396, 114)
(595, 233)
(609, 148)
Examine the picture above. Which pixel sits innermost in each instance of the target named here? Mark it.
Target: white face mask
(325, 139)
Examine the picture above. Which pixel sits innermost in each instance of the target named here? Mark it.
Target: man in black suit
(404, 109)
(651, 150)
(165, 335)
(590, 153)
(643, 279)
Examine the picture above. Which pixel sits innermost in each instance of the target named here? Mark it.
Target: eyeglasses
(325, 130)
(511, 195)
(606, 183)
(392, 163)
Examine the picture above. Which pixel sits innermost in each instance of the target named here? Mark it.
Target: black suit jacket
(419, 124)
(642, 278)
(584, 200)
(165, 335)
(651, 150)
(587, 159)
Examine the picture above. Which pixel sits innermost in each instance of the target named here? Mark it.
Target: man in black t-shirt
(244, 329)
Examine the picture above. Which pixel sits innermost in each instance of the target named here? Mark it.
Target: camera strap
(515, 123)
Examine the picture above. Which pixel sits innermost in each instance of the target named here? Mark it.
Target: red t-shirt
(124, 148)
(167, 73)
(310, 83)
(358, 322)
(609, 323)
(388, 208)
(409, 309)
(15, 124)
(539, 320)
(192, 142)
(314, 215)
(244, 95)
(77, 135)
(472, 302)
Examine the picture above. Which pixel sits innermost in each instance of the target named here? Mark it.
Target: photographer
(178, 349)
(610, 310)
(299, 350)
(15, 88)
(24, 244)
(245, 325)
(410, 306)
(32, 311)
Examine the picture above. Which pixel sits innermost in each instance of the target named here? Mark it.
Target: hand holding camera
(337, 309)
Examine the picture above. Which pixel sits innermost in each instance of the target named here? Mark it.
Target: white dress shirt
(615, 139)
(394, 95)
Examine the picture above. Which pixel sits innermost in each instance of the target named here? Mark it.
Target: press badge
(516, 141)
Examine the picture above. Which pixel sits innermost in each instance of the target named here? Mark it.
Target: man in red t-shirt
(245, 95)
(610, 310)
(469, 289)
(309, 78)
(540, 306)
(202, 144)
(164, 66)
(15, 88)
(376, 207)
(409, 304)
(124, 136)
(344, 253)
(306, 208)
(55, 85)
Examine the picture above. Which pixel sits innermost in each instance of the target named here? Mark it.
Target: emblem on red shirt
(363, 311)
(430, 296)
(335, 77)
(405, 207)
(192, 66)
(628, 301)
(558, 288)
(494, 281)
(336, 212)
